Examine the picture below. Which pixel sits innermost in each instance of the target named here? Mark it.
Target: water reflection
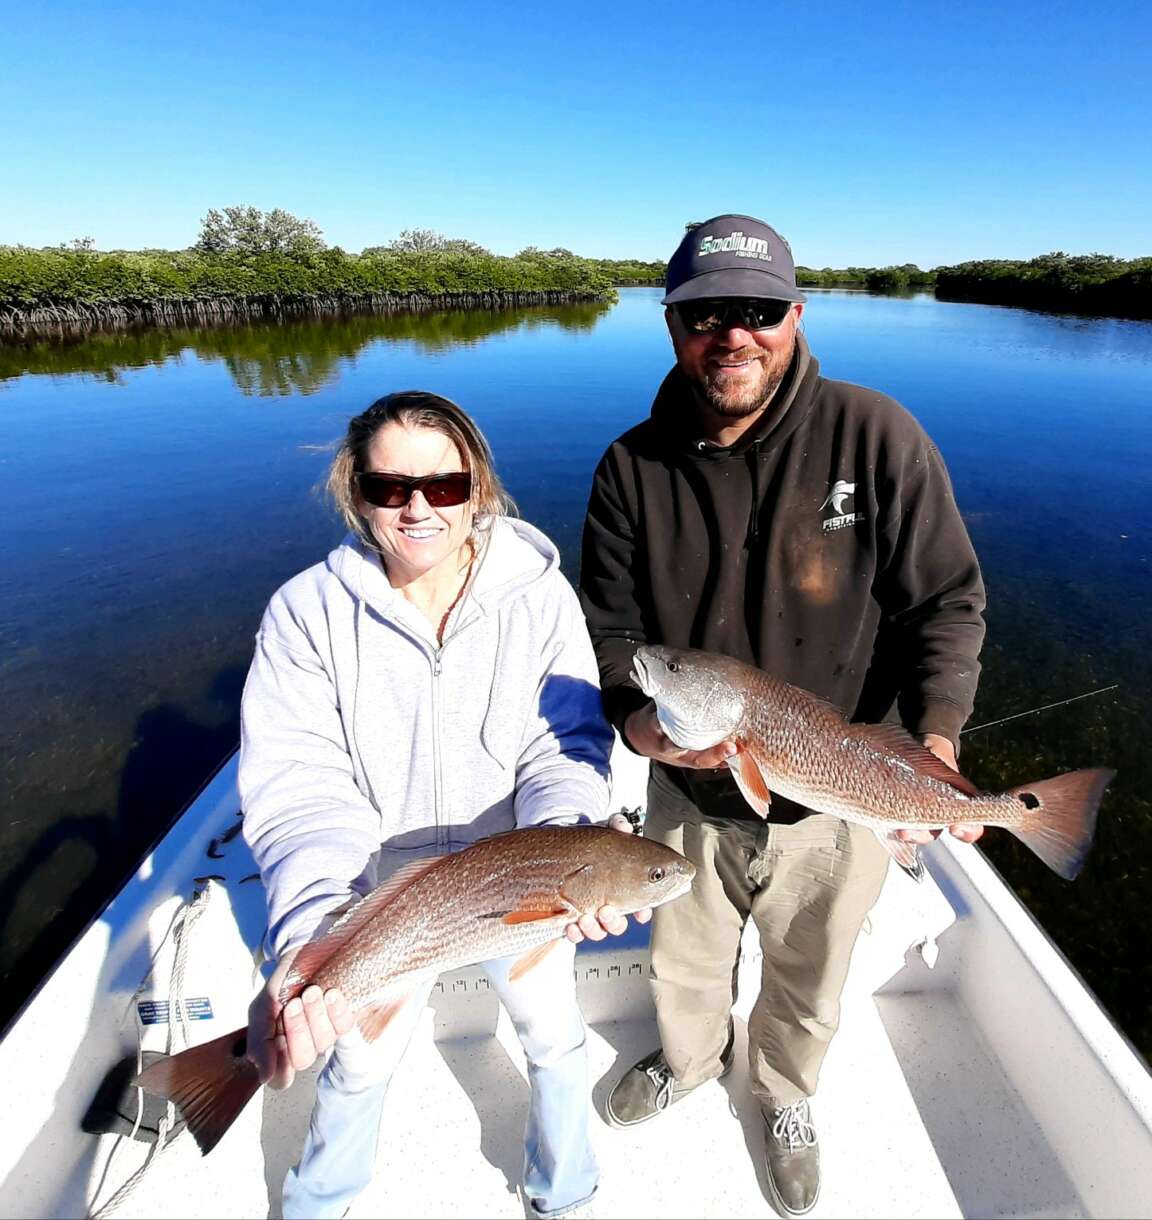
(270, 359)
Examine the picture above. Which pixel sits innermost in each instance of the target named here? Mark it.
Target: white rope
(176, 1011)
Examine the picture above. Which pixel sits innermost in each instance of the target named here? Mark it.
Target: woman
(432, 682)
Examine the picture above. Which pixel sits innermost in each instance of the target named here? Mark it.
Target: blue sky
(867, 134)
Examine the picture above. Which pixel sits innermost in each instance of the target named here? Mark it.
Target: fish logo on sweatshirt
(838, 496)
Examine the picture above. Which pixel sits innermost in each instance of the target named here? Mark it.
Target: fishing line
(1032, 711)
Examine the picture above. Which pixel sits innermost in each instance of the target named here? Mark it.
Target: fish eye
(656, 874)
(673, 667)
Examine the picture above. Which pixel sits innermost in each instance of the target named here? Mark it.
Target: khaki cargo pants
(807, 888)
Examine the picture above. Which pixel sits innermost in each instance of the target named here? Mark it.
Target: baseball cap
(731, 256)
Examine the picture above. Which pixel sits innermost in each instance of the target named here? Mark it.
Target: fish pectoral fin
(531, 916)
(532, 958)
(904, 853)
(532, 907)
(751, 782)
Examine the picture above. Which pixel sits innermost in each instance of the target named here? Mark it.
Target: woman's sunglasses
(395, 490)
(707, 317)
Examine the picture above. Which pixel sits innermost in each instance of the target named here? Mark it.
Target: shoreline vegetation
(248, 265)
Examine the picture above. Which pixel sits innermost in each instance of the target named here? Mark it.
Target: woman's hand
(607, 920)
(644, 734)
(285, 1039)
(968, 832)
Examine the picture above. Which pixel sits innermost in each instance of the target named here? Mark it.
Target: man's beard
(740, 401)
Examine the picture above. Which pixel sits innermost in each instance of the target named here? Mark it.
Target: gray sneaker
(792, 1158)
(648, 1088)
(583, 1211)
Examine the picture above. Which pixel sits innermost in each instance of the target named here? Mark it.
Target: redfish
(513, 893)
(798, 745)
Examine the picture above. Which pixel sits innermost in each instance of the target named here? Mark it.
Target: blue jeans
(560, 1170)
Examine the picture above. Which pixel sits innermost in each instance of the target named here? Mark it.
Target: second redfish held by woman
(795, 744)
(513, 893)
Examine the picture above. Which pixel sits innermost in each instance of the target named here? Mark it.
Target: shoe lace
(661, 1076)
(792, 1125)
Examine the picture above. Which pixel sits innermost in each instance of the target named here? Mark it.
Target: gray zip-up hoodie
(359, 731)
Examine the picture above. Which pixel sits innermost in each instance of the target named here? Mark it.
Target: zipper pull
(436, 663)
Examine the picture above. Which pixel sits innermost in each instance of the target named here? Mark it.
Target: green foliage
(632, 271)
(832, 277)
(246, 231)
(426, 241)
(898, 279)
(1081, 283)
(42, 279)
(243, 253)
(886, 279)
(875, 279)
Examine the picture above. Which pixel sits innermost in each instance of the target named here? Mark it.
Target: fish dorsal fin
(314, 954)
(750, 780)
(532, 958)
(893, 739)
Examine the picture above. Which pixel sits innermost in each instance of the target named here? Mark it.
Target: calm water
(156, 488)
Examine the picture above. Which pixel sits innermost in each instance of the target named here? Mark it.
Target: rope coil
(181, 929)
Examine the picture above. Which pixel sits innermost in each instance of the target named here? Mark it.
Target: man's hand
(311, 1024)
(968, 832)
(607, 920)
(644, 734)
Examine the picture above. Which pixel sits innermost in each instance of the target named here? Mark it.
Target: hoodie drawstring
(753, 531)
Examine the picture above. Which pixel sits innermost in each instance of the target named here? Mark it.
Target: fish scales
(809, 753)
(447, 919)
(793, 743)
(508, 895)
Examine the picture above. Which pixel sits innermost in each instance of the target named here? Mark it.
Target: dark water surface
(155, 488)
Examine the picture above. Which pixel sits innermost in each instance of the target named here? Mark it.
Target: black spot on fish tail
(210, 1084)
(1061, 817)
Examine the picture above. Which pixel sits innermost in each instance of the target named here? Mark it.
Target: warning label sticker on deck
(155, 1012)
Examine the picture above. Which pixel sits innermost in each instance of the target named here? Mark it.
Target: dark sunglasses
(707, 317)
(395, 490)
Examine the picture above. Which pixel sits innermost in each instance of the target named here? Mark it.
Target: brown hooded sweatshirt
(824, 546)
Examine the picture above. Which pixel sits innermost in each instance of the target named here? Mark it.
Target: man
(807, 526)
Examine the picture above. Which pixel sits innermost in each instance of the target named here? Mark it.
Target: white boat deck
(991, 1085)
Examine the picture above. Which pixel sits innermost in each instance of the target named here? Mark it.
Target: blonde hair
(416, 409)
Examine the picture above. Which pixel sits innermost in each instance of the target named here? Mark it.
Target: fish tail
(211, 1084)
(1061, 817)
